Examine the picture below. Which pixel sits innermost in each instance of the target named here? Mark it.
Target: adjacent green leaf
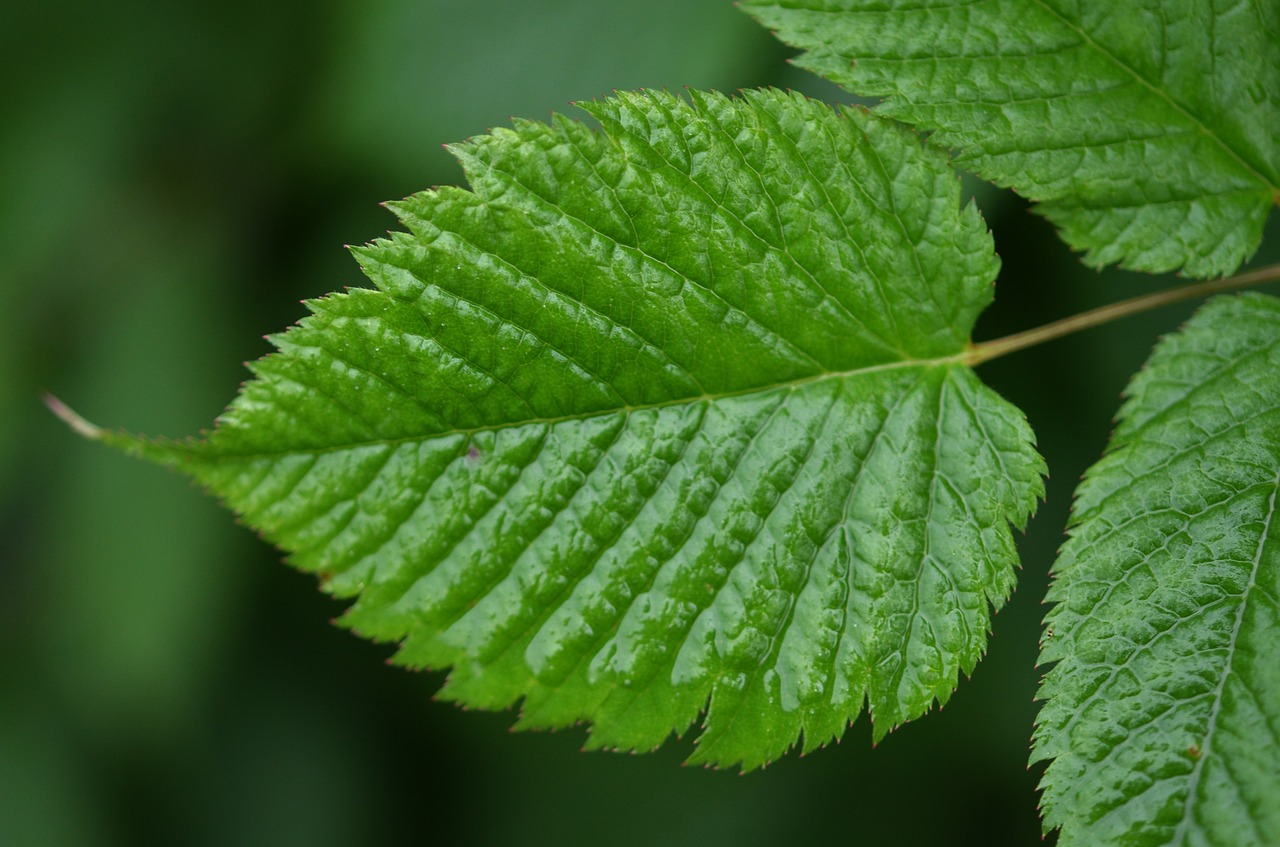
(1162, 715)
(671, 413)
(1145, 130)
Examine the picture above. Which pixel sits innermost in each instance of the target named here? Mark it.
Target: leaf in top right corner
(1145, 129)
(1161, 720)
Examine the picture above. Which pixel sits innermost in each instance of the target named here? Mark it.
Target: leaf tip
(68, 416)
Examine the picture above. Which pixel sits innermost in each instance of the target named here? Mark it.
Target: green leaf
(1145, 130)
(1162, 714)
(671, 413)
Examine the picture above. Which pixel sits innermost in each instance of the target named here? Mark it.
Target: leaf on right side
(1161, 719)
(1145, 130)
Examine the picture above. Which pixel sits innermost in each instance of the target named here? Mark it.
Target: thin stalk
(987, 350)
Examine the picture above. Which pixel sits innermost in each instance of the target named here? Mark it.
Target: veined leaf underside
(1162, 714)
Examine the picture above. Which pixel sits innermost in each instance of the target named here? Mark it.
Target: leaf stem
(987, 350)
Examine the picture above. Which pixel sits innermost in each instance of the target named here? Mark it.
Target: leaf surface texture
(656, 420)
(1162, 715)
(1145, 130)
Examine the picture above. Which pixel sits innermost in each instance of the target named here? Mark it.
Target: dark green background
(174, 178)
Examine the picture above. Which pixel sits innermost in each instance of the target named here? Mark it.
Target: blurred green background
(174, 178)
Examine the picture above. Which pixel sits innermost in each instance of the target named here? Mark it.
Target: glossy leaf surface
(1162, 715)
(661, 419)
(1145, 130)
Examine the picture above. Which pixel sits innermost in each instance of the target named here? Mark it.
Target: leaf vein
(1206, 748)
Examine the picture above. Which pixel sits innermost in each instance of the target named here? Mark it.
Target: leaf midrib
(1163, 95)
(207, 451)
(1206, 749)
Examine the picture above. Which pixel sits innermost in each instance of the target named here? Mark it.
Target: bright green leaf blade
(1145, 130)
(655, 416)
(1162, 716)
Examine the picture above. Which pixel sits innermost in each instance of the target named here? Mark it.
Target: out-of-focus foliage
(173, 179)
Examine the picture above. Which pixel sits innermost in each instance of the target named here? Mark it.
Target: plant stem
(987, 350)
